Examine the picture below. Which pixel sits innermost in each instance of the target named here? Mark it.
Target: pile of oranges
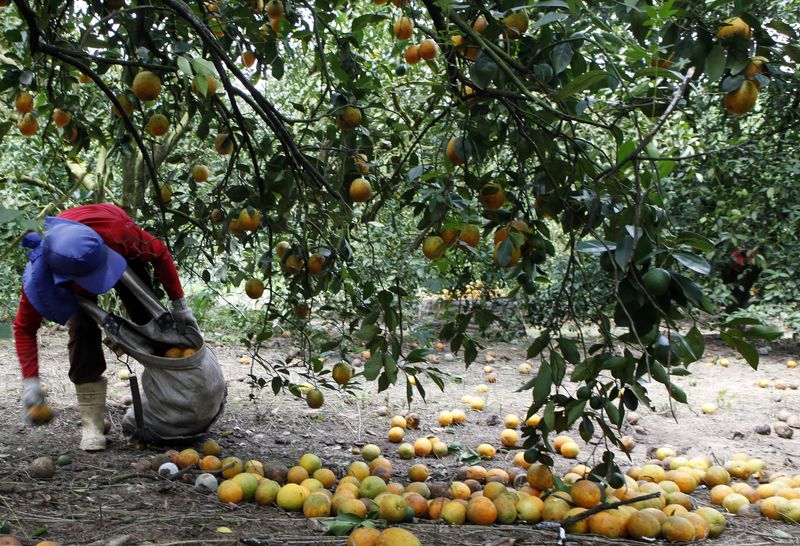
(473, 291)
(654, 501)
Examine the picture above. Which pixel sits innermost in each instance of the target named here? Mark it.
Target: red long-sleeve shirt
(122, 235)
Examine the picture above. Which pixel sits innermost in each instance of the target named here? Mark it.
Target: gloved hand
(185, 322)
(32, 397)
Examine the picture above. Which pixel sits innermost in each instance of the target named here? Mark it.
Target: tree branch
(649, 136)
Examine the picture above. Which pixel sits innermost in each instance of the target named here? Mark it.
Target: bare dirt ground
(99, 500)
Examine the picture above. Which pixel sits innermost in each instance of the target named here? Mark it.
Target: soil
(100, 499)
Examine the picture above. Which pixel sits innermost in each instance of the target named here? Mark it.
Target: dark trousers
(86, 360)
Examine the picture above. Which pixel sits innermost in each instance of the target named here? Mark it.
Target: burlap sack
(182, 397)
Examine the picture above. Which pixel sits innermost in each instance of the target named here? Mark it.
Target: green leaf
(373, 366)
(470, 352)
(390, 366)
(594, 246)
(201, 84)
(538, 345)
(543, 383)
(560, 57)
(694, 240)
(676, 393)
(582, 82)
(343, 524)
(656, 72)
(764, 331)
(363, 20)
(697, 264)
(696, 341)
(715, 63)
(7, 215)
(184, 66)
(783, 28)
(548, 18)
(748, 352)
(203, 67)
(417, 355)
(367, 332)
(549, 416)
(658, 372)
(569, 348)
(574, 411)
(559, 367)
(613, 413)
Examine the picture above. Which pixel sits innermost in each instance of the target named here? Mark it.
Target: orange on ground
(608, 523)
(677, 529)
(586, 494)
(481, 511)
(230, 491)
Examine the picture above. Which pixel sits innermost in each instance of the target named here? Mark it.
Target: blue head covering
(69, 252)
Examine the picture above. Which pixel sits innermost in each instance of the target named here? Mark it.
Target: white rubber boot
(92, 403)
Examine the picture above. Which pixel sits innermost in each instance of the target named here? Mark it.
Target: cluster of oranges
(179, 352)
(248, 219)
(426, 50)
(654, 501)
(510, 241)
(743, 99)
(305, 487)
(472, 291)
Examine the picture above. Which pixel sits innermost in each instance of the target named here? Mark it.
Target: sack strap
(137, 406)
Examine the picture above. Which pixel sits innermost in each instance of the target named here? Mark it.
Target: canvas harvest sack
(182, 397)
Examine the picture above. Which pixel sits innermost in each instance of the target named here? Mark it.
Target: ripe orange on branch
(433, 248)
(275, 8)
(411, 54)
(403, 28)
(28, 125)
(360, 190)
(428, 49)
(316, 263)
(254, 288)
(349, 118)
(248, 59)
(158, 125)
(146, 85)
(456, 150)
(61, 117)
(492, 196)
(200, 173)
(735, 26)
(24, 102)
(516, 23)
(293, 265)
(224, 144)
(742, 100)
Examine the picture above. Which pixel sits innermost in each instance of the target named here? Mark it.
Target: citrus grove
(329, 161)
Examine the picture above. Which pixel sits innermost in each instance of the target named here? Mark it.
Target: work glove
(32, 397)
(185, 323)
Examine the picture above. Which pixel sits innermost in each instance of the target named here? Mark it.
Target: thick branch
(271, 115)
(660, 123)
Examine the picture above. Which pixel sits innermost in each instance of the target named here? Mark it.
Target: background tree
(545, 146)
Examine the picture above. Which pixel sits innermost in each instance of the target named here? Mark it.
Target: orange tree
(353, 138)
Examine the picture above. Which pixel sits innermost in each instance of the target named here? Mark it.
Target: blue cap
(69, 252)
